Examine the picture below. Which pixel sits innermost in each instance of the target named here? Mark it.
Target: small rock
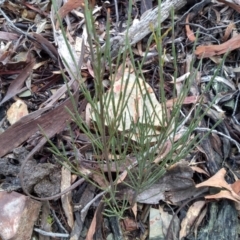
(17, 216)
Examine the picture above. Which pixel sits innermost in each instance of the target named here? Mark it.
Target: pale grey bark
(149, 20)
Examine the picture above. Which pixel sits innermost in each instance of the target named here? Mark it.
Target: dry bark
(149, 20)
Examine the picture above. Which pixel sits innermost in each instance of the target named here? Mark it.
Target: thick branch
(148, 21)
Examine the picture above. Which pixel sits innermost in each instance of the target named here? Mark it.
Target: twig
(235, 108)
(209, 35)
(207, 29)
(12, 25)
(51, 234)
(58, 222)
(147, 23)
(203, 2)
(90, 203)
(116, 10)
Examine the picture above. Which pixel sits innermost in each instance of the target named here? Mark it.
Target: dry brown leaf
(90, 69)
(68, 7)
(175, 186)
(218, 16)
(228, 31)
(191, 216)
(222, 194)
(199, 170)
(28, 14)
(199, 220)
(66, 199)
(17, 84)
(217, 180)
(129, 224)
(212, 50)
(7, 36)
(46, 46)
(134, 209)
(35, 9)
(236, 187)
(17, 111)
(97, 218)
(216, 143)
(190, 33)
(232, 5)
(187, 100)
(91, 229)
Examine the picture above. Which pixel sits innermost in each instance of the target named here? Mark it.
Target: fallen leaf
(68, 55)
(212, 50)
(228, 31)
(134, 210)
(138, 105)
(189, 32)
(232, 5)
(66, 199)
(219, 181)
(129, 224)
(17, 111)
(68, 7)
(46, 46)
(175, 186)
(16, 85)
(236, 187)
(190, 218)
(96, 218)
(199, 170)
(199, 220)
(222, 194)
(165, 150)
(187, 100)
(7, 36)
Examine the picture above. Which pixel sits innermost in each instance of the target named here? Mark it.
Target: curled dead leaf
(212, 50)
(228, 31)
(231, 4)
(68, 7)
(219, 181)
(190, 33)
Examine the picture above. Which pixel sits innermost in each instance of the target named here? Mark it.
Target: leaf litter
(32, 60)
